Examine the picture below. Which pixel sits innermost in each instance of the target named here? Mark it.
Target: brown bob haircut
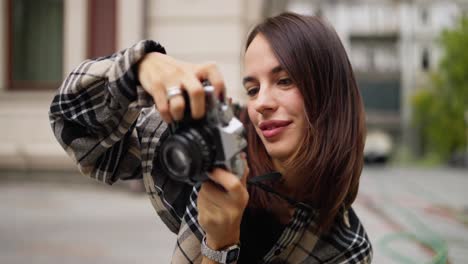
(328, 164)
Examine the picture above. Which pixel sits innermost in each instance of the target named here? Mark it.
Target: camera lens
(186, 156)
(178, 160)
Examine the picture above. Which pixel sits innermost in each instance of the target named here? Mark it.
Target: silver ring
(173, 91)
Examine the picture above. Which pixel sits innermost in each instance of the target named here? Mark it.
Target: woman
(306, 123)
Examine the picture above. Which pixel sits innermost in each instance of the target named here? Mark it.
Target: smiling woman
(298, 74)
(275, 105)
(305, 131)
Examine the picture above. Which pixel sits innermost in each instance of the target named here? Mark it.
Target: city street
(414, 215)
(411, 215)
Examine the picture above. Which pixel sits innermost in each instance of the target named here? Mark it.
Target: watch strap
(225, 256)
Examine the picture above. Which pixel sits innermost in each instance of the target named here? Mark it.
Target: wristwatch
(225, 256)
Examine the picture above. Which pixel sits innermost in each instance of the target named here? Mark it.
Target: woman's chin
(278, 155)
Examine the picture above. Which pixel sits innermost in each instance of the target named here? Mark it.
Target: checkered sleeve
(93, 115)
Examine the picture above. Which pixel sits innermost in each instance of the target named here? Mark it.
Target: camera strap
(275, 176)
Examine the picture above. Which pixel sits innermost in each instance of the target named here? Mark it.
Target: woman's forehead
(259, 57)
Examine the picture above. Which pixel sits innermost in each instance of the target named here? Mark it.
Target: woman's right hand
(158, 72)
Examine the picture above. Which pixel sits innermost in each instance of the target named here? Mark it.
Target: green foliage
(439, 109)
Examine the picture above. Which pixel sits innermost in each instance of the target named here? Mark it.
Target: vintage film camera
(194, 147)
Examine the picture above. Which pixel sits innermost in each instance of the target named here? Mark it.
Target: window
(424, 16)
(425, 62)
(380, 94)
(35, 44)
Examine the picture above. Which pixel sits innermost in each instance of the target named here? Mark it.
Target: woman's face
(275, 105)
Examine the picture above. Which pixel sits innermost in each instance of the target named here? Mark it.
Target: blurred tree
(439, 109)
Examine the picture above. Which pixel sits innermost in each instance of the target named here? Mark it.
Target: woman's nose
(265, 101)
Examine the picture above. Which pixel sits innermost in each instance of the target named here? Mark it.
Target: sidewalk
(411, 216)
(414, 215)
(75, 223)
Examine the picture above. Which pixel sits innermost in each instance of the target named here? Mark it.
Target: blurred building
(43, 40)
(392, 45)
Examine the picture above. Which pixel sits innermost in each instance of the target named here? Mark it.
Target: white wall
(75, 34)
(205, 30)
(130, 19)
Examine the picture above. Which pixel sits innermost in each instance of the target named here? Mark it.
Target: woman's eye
(252, 91)
(285, 81)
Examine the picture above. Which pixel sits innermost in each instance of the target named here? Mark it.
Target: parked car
(378, 147)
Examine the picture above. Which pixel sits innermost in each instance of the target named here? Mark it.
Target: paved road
(411, 215)
(47, 223)
(414, 215)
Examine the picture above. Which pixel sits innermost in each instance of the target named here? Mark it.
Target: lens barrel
(186, 156)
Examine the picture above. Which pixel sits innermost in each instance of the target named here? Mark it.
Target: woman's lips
(272, 128)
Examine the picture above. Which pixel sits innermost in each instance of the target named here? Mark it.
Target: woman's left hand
(221, 206)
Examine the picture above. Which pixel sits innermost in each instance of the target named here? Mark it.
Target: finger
(196, 94)
(155, 88)
(176, 107)
(213, 193)
(159, 97)
(209, 71)
(227, 180)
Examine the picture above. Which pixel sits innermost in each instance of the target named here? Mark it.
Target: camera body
(195, 147)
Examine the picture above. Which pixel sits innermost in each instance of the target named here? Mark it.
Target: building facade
(392, 45)
(44, 40)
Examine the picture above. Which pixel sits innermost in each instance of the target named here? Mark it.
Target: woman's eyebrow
(247, 79)
(275, 70)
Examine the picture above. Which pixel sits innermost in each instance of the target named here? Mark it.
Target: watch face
(233, 255)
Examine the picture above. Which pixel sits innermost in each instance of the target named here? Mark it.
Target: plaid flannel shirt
(109, 126)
